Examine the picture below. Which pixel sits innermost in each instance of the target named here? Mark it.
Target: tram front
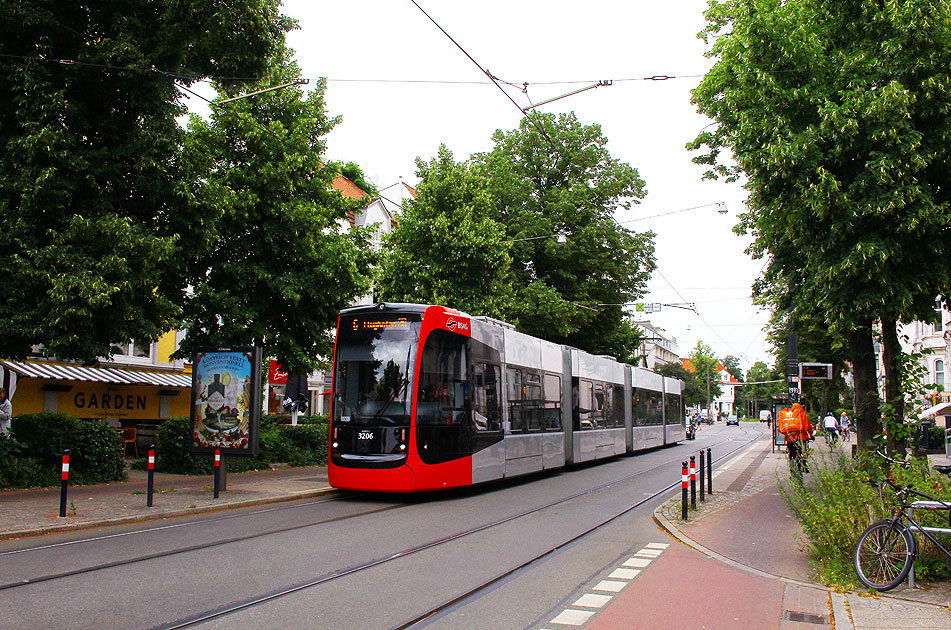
(371, 406)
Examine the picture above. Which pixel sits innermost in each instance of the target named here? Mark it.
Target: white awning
(98, 375)
(936, 410)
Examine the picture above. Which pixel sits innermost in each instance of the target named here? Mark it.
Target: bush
(301, 445)
(836, 503)
(34, 456)
(171, 453)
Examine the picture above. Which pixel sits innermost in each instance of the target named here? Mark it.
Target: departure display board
(818, 371)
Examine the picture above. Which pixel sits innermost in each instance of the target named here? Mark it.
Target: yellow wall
(101, 400)
(166, 346)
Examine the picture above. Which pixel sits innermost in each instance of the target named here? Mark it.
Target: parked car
(765, 415)
(732, 419)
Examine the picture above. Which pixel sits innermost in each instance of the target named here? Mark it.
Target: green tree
(91, 221)
(446, 249)
(732, 365)
(704, 364)
(836, 113)
(694, 394)
(555, 176)
(354, 172)
(760, 396)
(279, 259)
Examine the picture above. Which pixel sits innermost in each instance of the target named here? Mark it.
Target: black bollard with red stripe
(701, 475)
(151, 474)
(683, 491)
(693, 482)
(217, 471)
(62, 492)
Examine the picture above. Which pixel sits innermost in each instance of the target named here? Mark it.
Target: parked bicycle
(886, 550)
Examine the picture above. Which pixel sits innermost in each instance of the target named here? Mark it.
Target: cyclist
(794, 424)
(844, 427)
(831, 427)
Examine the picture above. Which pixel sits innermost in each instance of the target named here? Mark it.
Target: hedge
(301, 445)
(33, 456)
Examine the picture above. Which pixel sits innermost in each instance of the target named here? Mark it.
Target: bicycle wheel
(884, 555)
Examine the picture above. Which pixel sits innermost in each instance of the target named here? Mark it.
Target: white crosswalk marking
(570, 617)
(640, 563)
(617, 580)
(590, 600)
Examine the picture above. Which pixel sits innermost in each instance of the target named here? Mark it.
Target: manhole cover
(802, 617)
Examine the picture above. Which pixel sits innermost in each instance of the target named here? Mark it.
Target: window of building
(939, 372)
(133, 349)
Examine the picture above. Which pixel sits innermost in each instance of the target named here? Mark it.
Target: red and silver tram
(426, 397)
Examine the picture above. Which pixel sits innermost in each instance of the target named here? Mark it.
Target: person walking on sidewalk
(6, 412)
(831, 427)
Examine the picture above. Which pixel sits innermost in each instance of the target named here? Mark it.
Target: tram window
(486, 412)
(443, 397)
(552, 402)
(648, 409)
(655, 408)
(601, 403)
(614, 414)
(514, 388)
(586, 408)
(675, 412)
(534, 403)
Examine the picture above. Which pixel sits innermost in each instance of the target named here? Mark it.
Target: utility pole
(709, 412)
(792, 368)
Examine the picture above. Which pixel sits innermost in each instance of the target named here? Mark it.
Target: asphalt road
(421, 550)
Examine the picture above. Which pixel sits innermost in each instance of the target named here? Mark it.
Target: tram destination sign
(815, 371)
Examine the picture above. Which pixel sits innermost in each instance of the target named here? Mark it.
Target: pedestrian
(831, 427)
(6, 412)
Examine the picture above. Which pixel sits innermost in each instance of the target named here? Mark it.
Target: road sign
(815, 371)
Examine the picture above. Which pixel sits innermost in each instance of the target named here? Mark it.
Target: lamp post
(708, 389)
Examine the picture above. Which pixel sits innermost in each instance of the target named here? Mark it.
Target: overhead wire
(742, 355)
(521, 109)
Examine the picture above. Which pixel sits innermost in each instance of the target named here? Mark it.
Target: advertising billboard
(226, 400)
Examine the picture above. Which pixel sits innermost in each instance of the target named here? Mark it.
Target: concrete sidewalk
(747, 525)
(35, 512)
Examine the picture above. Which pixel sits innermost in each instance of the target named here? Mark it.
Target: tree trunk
(867, 420)
(894, 399)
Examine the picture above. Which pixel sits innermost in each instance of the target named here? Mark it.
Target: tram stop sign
(815, 371)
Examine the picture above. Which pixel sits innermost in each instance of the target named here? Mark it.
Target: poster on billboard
(226, 400)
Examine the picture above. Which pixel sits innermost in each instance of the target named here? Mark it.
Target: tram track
(459, 599)
(464, 597)
(188, 549)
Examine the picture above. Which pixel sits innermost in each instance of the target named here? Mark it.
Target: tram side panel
(674, 418)
(598, 392)
(647, 409)
(531, 398)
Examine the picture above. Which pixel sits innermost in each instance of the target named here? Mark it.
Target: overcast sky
(402, 88)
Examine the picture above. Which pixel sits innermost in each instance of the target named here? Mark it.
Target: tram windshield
(373, 381)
